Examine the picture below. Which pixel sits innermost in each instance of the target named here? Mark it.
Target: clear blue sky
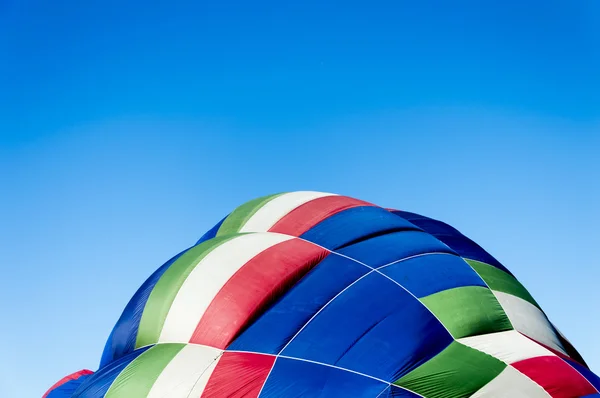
(127, 130)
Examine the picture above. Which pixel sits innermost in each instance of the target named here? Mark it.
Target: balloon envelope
(309, 294)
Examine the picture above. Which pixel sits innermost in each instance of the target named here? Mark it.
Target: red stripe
(306, 216)
(252, 288)
(239, 375)
(72, 376)
(557, 377)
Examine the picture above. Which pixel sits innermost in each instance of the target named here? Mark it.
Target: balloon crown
(308, 294)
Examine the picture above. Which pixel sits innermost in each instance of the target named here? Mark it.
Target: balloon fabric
(310, 294)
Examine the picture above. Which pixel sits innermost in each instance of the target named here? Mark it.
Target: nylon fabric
(355, 342)
(395, 246)
(65, 387)
(529, 320)
(137, 379)
(468, 311)
(500, 281)
(354, 224)
(312, 294)
(211, 233)
(458, 371)
(395, 392)
(293, 378)
(272, 330)
(181, 375)
(253, 288)
(269, 214)
(306, 216)
(432, 273)
(238, 375)
(65, 390)
(123, 336)
(511, 384)
(509, 347)
(569, 348)
(556, 377)
(586, 373)
(166, 288)
(206, 278)
(464, 246)
(98, 384)
(236, 220)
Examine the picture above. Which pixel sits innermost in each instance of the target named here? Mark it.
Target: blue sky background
(127, 130)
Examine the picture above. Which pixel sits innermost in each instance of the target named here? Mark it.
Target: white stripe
(509, 347)
(186, 372)
(207, 278)
(277, 208)
(202, 382)
(511, 384)
(529, 320)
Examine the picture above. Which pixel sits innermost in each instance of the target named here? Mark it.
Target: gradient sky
(127, 130)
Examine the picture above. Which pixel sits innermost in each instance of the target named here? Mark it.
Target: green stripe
(468, 311)
(137, 379)
(164, 292)
(499, 280)
(458, 371)
(236, 220)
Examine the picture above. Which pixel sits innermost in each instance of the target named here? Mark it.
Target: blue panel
(395, 391)
(374, 327)
(274, 328)
(462, 245)
(585, 372)
(123, 336)
(67, 389)
(212, 232)
(384, 249)
(298, 379)
(355, 224)
(466, 248)
(429, 225)
(97, 385)
(432, 273)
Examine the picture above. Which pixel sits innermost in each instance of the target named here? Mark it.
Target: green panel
(499, 280)
(236, 220)
(167, 287)
(468, 311)
(137, 379)
(458, 371)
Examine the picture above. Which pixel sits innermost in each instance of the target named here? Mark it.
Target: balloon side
(313, 294)
(66, 387)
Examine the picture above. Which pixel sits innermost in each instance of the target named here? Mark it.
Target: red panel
(557, 377)
(239, 375)
(72, 376)
(306, 216)
(252, 288)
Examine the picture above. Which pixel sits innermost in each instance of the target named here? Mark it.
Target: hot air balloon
(309, 294)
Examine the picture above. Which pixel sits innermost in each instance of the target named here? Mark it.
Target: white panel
(189, 368)
(529, 320)
(201, 383)
(511, 384)
(207, 278)
(277, 208)
(509, 347)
